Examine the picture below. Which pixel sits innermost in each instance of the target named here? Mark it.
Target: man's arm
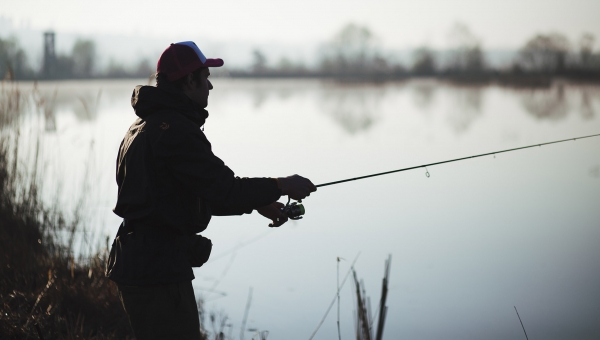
(189, 159)
(295, 186)
(193, 164)
(259, 185)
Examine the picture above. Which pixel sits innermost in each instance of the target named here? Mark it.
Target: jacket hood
(147, 100)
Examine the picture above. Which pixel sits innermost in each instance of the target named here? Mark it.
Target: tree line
(80, 63)
(354, 52)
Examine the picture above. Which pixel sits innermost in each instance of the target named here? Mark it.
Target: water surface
(469, 242)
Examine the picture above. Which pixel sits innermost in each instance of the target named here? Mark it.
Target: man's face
(197, 89)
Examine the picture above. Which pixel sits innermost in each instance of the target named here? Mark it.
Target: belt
(142, 227)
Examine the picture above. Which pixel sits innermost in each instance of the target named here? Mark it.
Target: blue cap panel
(195, 48)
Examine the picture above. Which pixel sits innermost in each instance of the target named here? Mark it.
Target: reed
(46, 290)
(364, 319)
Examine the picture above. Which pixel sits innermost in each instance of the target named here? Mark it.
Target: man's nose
(210, 87)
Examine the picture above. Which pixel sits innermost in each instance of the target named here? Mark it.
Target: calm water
(468, 243)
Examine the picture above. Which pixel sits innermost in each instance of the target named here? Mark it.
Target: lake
(468, 243)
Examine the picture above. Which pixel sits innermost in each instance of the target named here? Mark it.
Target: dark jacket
(170, 184)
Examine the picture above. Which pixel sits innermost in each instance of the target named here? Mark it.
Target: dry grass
(364, 319)
(46, 291)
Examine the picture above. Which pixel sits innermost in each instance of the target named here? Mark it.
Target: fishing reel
(293, 211)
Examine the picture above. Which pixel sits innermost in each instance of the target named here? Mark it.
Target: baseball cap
(182, 58)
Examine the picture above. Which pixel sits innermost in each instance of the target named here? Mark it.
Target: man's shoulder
(171, 121)
(172, 127)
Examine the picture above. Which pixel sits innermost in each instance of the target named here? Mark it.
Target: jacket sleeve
(265, 192)
(194, 166)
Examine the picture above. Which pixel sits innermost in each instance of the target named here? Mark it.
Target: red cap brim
(218, 62)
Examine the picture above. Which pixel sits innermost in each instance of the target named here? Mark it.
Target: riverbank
(45, 291)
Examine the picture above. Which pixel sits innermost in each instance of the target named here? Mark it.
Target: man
(170, 184)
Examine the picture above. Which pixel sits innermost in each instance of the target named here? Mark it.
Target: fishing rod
(294, 211)
(453, 160)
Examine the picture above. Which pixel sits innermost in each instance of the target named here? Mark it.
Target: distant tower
(49, 69)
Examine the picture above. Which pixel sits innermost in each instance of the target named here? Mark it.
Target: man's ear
(189, 81)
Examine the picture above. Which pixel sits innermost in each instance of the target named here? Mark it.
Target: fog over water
(469, 242)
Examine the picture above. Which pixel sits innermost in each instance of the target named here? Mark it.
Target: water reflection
(12, 102)
(46, 102)
(586, 108)
(263, 91)
(423, 94)
(82, 101)
(85, 105)
(468, 102)
(548, 103)
(595, 171)
(259, 96)
(354, 107)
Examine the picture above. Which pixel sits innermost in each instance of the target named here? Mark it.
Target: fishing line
(452, 160)
(238, 247)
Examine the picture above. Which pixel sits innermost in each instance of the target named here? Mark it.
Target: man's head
(184, 66)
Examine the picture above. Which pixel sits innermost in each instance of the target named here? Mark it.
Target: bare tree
(545, 53)
(143, 68)
(259, 64)
(353, 50)
(84, 58)
(288, 66)
(424, 61)
(13, 60)
(586, 50)
(466, 54)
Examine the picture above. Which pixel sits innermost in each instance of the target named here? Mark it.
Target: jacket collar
(147, 100)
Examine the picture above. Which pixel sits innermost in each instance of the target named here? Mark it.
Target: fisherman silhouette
(170, 185)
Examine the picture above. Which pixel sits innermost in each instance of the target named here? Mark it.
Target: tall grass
(364, 319)
(46, 290)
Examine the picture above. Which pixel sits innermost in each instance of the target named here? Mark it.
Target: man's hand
(296, 187)
(274, 213)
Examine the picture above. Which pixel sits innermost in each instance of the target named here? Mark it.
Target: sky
(399, 23)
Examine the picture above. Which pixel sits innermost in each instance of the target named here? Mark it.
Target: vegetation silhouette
(353, 54)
